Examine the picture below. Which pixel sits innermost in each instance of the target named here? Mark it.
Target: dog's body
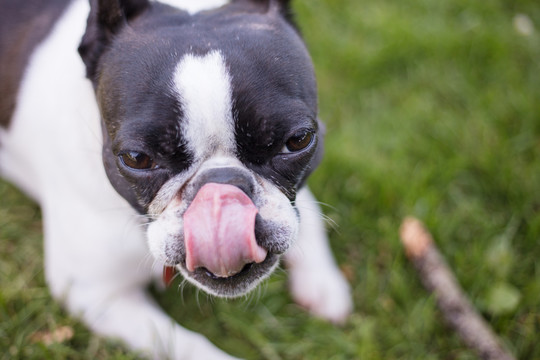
(191, 141)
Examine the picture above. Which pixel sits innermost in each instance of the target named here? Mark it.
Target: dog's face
(210, 127)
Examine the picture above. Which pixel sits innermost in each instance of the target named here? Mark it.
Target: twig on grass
(451, 300)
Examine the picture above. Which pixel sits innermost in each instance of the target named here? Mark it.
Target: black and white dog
(181, 129)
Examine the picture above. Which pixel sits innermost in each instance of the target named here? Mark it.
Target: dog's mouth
(211, 275)
(232, 286)
(221, 250)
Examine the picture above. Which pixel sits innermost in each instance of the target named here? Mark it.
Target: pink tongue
(219, 231)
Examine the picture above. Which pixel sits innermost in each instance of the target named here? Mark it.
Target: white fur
(204, 87)
(96, 256)
(315, 281)
(195, 6)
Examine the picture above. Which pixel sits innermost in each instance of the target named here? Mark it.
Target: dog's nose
(235, 176)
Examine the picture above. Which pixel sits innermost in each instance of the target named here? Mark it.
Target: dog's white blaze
(203, 85)
(194, 6)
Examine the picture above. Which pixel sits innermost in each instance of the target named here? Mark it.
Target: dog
(172, 135)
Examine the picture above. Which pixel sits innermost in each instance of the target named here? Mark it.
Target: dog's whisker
(261, 290)
(142, 220)
(281, 270)
(211, 299)
(197, 298)
(325, 205)
(326, 218)
(181, 287)
(145, 260)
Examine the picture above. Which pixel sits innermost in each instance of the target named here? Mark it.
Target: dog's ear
(106, 19)
(284, 8)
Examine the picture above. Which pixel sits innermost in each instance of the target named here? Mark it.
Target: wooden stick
(451, 300)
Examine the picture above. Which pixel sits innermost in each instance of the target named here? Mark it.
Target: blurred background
(432, 110)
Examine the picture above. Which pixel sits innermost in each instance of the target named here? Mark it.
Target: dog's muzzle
(219, 224)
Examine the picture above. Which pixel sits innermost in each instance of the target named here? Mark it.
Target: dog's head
(210, 127)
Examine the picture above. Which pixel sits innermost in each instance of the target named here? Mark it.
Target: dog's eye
(137, 161)
(299, 141)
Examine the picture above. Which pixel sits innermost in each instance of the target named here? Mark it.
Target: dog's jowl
(181, 129)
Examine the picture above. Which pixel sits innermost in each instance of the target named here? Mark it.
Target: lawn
(432, 110)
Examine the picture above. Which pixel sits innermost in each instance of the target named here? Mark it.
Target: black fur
(106, 19)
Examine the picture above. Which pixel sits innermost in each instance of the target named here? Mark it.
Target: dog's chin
(233, 286)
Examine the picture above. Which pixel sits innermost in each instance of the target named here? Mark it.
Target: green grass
(432, 109)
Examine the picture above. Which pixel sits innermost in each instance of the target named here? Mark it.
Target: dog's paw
(324, 291)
